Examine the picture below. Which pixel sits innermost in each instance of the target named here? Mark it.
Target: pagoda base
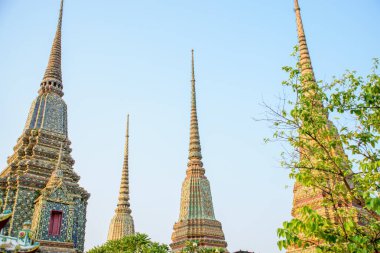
(208, 234)
(57, 247)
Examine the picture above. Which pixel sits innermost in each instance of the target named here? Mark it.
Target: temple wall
(80, 227)
(23, 209)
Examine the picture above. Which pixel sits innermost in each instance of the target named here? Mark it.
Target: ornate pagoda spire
(52, 80)
(123, 201)
(305, 60)
(48, 110)
(195, 155)
(308, 81)
(303, 195)
(196, 219)
(122, 223)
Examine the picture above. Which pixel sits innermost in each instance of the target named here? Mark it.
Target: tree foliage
(138, 243)
(141, 243)
(333, 131)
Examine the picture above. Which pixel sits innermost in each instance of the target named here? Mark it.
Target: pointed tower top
(305, 60)
(195, 155)
(123, 202)
(296, 5)
(192, 66)
(52, 80)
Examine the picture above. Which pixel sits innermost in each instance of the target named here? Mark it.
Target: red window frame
(55, 222)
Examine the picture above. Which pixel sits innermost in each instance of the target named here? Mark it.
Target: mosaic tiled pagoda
(122, 222)
(39, 183)
(304, 196)
(196, 219)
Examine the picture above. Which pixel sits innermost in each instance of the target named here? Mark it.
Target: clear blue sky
(133, 57)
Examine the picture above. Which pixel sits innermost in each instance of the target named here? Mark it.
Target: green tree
(333, 132)
(138, 243)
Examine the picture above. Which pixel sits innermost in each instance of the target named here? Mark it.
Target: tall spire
(305, 60)
(52, 80)
(122, 222)
(196, 216)
(195, 143)
(309, 150)
(124, 185)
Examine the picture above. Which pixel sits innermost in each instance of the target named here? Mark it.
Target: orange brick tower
(304, 196)
(196, 219)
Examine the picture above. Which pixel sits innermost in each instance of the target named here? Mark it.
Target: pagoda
(308, 196)
(39, 182)
(196, 219)
(305, 196)
(122, 222)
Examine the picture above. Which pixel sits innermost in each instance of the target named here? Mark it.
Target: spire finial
(52, 80)
(296, 5)
(195, 144)
(123, 201)
(305, 60)
(192, 66)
